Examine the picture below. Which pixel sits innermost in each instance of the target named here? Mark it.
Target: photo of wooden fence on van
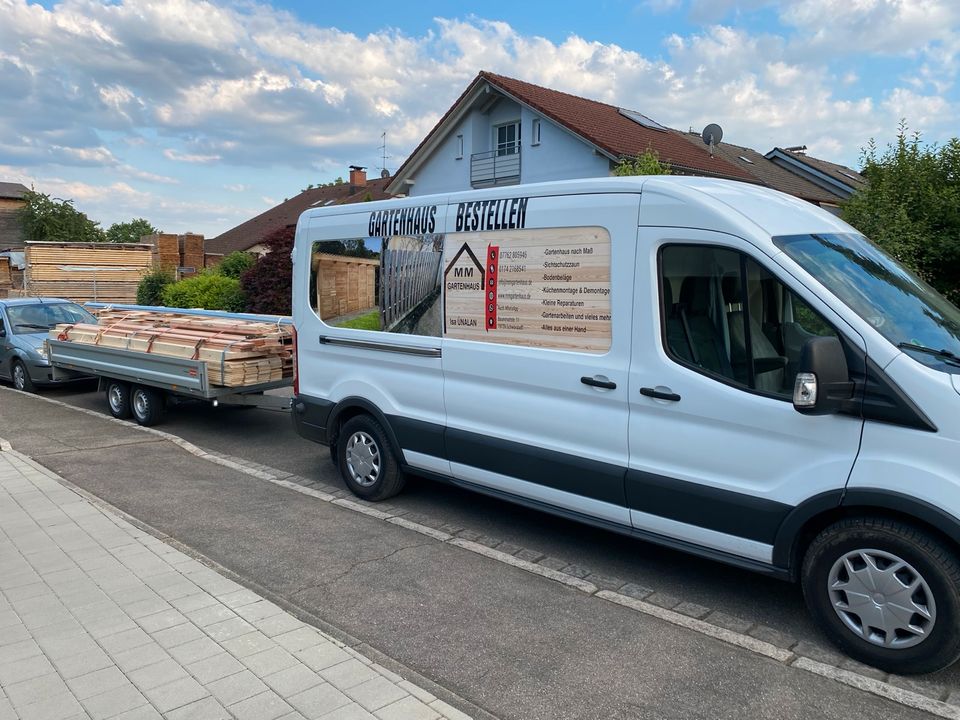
(347, 285)
(410, 279)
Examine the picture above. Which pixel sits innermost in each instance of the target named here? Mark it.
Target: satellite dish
(712, 134)
(384, 173)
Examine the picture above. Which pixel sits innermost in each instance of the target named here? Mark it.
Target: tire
(21, 377)
(857, 577)
(146, 405)
(366, 461)
(118, 399)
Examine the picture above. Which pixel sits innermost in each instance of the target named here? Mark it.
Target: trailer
(141, 384)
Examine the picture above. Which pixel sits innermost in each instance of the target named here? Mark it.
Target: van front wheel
(367, 463)
(887, 593)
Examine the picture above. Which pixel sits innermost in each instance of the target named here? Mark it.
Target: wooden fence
(407, 278)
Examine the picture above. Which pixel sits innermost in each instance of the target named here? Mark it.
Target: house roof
(847, 177)
(12, 190)
(245, 235)
(769, 173)
(597, 123)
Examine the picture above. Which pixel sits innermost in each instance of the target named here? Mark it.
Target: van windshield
(904, 309)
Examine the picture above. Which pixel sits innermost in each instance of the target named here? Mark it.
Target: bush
(207, 290)
(151, 287)
(268, 285)
(236, 264)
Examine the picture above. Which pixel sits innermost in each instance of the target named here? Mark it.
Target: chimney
(358, 178)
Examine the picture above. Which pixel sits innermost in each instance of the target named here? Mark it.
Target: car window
(727, 316)
(39, 317)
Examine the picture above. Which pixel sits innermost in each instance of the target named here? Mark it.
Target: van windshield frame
(893, 300)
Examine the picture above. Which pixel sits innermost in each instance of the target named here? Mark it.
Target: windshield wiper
(32, 325)
(945, 355)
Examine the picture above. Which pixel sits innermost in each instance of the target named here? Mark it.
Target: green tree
(47, 218)
(151, 287)
(130, 231)
(646, 163)
(911, 206)
(236, 264)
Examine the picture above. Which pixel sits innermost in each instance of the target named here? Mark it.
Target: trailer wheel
(367, 463)
(146, 404)
(118, 399)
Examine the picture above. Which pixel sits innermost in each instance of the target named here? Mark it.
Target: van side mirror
(823, 380)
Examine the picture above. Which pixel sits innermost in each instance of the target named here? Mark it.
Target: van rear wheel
(887, 593)
(367, 463)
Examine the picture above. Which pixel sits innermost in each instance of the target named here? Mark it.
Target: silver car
(24, 324)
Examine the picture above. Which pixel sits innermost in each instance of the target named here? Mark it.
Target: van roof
(725, 205)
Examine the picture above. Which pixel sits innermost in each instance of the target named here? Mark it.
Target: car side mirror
(823, 380)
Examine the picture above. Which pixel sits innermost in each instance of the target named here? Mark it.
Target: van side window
(725, 315)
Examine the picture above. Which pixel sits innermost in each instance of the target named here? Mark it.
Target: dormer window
(507, 138)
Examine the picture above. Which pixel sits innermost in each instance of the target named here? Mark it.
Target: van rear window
(546, 288)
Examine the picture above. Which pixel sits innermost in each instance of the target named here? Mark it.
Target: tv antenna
(384, 173)
(712, 135)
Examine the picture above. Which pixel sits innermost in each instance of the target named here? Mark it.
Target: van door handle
(659, 394)
(594, 382)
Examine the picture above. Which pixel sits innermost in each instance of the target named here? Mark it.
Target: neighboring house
(838, 179)
(11, 200)
(777, 176)
(248, 235)
(503, 131)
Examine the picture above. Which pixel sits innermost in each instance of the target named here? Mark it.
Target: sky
(198, 115)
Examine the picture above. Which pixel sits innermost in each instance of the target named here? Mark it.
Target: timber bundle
(108, 272)
(237, 352)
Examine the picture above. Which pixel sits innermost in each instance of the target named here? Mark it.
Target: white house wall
(559, 156)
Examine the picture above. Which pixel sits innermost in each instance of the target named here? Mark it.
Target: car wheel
(118, 399)
(21, 377)
(367, 463)
(887, 593)
(146, 405)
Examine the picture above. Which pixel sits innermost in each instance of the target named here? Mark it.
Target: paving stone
(353, 711)
(54, 707)
(490, 542)
(663, 600)
(175, 694)
(238, 598)
(25, 669)
(213, 668)
(722, 619)
(348, 674)
(160, 673)
(35, 689)
(820, 653)
(229, 629)
(635, 591)
(277, 624)
(114, 702)
(195, 601)
(318, 701)
(125, 640)
(529, 555)
(409, 708)
(161, 620)
(144, 712)
(265, 706)
(605, 582)
(293, 680)
(773, 636)
(270, 661)
(234, 688)
(249, 644)
(19, 650)
(418, 692)
(258, 611)
(75, 665)
(692, 609)
(139, 657)
(509, 548)
(195, 650)
(465, 534)
(448, 711)
(376, 693)
(575, 571)
(322, 656)
(205, 709)
(178, 635)
(921, 685)
(96, 682)
(552, 563)
(298, 639)
(210, 615)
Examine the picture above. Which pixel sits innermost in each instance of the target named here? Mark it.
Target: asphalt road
(268, 438)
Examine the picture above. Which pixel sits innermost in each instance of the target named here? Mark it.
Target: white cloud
(171, 154)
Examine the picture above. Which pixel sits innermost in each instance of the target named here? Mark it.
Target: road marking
(879, 688)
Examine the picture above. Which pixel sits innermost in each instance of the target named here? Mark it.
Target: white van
(704, 364)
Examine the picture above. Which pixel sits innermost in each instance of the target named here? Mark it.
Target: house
(11, 200)
(778, 176)
(503, 131)
(248, 235)
(838, 179)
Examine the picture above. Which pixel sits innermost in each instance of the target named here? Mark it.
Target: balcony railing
(496, 167)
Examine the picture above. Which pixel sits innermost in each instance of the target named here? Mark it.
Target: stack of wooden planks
(237, 352)
(106, 272)
(166, 250)
(6, 278)
(191, 253)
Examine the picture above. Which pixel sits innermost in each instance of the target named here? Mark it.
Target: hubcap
(19, 377)
(141, 404)
(116, 398)
(882, 598)
(363, 459)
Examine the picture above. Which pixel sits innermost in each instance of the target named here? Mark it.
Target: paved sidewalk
(99, 619)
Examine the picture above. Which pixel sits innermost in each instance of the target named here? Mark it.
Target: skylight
(746, 159)
(852, 177)
(642, 119)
